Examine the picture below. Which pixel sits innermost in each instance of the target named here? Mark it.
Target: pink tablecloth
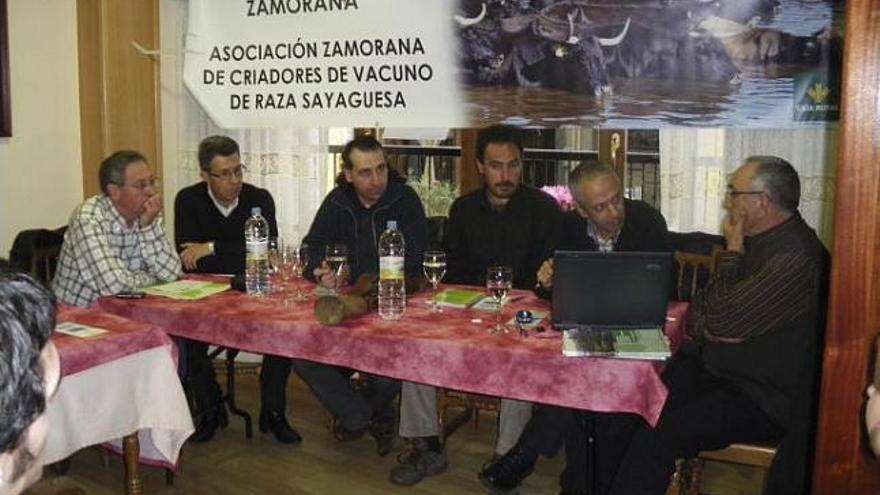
(446, 350)
(125, 337)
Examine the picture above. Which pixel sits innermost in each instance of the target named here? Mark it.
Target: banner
(543, 63)
(323, 63)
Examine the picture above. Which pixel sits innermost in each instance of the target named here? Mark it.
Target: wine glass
(499, 281)
(273, 255)
(288, 262)
(300, 257)
(336, 255)
(434, 263)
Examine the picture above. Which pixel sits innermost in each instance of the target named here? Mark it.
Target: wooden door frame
(843, 463)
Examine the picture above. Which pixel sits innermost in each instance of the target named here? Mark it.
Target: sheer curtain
(694, 164)
(293, 164)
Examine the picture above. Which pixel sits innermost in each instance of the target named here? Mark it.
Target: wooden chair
(693, 271)
(470, 404)
(44, 262)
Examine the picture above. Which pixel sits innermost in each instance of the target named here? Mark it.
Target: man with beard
(505, 223)
(355, 213)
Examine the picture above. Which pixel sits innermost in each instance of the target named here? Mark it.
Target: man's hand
(151, 211)
(545, 274)
(327, 277)
(732, 228)
(193, 252)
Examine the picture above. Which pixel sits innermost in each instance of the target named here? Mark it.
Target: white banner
(323, 63)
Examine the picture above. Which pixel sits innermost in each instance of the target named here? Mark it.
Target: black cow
(658, 52)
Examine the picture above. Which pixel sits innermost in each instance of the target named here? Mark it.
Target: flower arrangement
(437, 197)
(562, 195)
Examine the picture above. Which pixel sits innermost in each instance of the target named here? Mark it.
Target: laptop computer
(610, 291)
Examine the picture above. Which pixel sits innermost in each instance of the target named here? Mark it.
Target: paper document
(649, 343)
(189, 290)
(79, 330)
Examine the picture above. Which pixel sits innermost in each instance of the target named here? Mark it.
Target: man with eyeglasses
(603, 220)
(114, 241)
(209, 231)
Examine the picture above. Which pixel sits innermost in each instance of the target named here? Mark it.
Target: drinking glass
(300, 257)
(273, 255)
(336, 255)
(499, 281)
(287, 265)
(434, 263)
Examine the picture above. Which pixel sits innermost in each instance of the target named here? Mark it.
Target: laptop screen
(610, 290)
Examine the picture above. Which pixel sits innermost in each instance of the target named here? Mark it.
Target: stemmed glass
(336, 255)
(274, 257)
(499, 281)
(434, 263)
(299, 257)
(287, 266)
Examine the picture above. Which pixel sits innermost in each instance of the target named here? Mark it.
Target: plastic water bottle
(392, 291)
(256, 261)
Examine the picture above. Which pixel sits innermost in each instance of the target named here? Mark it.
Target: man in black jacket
(505, 223)
(355, 213)
(603, 220)
(209, 232)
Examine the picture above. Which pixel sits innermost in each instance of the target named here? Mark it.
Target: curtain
(695, 164)
(293, 164)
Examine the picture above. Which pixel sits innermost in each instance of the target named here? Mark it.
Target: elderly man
(750, 374)
(209, 231)
(603, 220)
(29, 375)
(504, 223)
(114, 240)
(355, 213)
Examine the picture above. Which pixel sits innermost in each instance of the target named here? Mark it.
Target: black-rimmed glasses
(733, 192)
(237, 172)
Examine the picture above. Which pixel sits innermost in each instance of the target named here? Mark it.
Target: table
(114, 384)
(445, 350)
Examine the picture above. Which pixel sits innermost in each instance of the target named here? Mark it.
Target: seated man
(603, 220)
(750, 374)
(114, 240)
(504, 223)
(209, 231)
(355, 213)
(29, 375)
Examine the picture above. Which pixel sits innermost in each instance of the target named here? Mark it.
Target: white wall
(41, 164)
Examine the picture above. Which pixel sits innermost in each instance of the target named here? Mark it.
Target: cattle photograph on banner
(650, 63)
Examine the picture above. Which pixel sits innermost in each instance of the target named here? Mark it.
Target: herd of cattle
(582, 45)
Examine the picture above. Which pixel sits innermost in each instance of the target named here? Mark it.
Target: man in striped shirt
(114, 240)
(749, 375)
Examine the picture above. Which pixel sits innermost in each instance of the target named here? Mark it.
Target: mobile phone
(131, 295)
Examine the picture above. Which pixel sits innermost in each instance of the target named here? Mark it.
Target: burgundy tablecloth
(124, 337)
(444, 349)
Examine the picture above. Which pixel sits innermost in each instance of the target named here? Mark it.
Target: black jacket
(197, 219)
(644, 229)
(343, 219)
(521, 236)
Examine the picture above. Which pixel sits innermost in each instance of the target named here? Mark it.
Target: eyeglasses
(237, 172)
(733, 192)
(141, 185)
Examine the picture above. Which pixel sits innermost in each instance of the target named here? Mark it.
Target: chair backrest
(694, 271)
(36, 251)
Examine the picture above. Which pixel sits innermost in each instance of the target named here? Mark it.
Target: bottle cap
(255, 211)
(392, 224)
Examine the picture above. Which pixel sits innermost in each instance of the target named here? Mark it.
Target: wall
(41, 165)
